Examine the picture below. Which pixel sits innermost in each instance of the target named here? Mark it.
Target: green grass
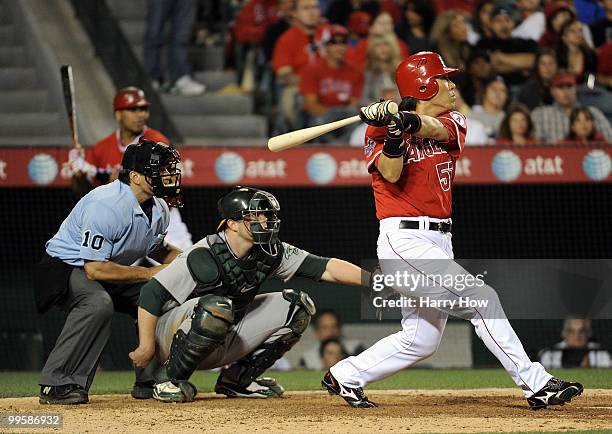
(25, 383)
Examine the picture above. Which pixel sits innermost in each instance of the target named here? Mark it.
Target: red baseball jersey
(108, 152)
(253, 20)
(295, 48)
(425, 185)
(333, 87)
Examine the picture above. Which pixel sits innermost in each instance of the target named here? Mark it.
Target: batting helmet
(130, 97)
(416, 75)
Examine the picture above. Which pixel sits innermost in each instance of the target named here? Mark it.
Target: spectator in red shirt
(253, 20)
(557, 14)
(382, 25)
(275, 30)
(516, 127)
(294, 50)
(582, 127)
(330, 87)
(358, 26)
(457, 5)
(604, 65)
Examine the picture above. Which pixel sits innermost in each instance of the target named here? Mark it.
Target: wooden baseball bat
(296, 138)
(68, 88)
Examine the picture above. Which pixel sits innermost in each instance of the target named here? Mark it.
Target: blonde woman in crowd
(382, 25)
(382, 60)
(449, 37)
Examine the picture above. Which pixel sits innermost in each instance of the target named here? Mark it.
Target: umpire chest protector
(240, 279)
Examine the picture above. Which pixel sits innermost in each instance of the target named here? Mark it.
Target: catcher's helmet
(158, 162)
(416, 75)
(130, 97)
(247, 203)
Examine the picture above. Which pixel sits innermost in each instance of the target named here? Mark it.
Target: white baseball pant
(422, 327)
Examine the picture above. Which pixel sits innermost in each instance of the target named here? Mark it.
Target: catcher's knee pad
(256, 363)
(211, 319)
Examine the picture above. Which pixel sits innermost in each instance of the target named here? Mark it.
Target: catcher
(203, 309)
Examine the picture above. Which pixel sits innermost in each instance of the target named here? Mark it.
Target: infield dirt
(481, 410)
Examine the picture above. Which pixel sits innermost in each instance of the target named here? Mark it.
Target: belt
(433, 226)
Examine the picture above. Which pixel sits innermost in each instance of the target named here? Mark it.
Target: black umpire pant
(90, 306)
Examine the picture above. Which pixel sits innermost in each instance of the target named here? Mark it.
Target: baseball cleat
(556, 392)
(143, 389)
(265, 387)
(63, 395)
(354, 396)
(170, 392)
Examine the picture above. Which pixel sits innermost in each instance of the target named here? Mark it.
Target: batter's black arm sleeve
(312, 267)
(153, 296)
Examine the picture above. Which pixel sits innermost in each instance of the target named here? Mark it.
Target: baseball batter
(412, 159)
(203, 309)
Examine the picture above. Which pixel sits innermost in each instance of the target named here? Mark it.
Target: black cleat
(143, 390)
(354, 396)
(264, 387)
(556, 392)
(63, 395)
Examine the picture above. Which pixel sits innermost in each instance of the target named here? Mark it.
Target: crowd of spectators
(533, 71)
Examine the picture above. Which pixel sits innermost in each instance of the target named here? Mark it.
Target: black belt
(433, 226)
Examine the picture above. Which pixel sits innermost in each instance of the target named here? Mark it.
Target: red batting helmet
(129, 97)
(416, 75)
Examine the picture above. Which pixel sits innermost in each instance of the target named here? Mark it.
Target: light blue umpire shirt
(108, 224)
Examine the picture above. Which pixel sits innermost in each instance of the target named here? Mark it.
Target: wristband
(412, 122)
(393, 147)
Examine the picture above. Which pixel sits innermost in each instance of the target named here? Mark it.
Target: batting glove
(77, 164)
(376, 114)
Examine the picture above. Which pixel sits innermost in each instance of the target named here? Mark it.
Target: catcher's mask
(158, 162)
(259, 209)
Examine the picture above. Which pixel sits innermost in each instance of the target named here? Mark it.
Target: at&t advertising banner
(328, 167)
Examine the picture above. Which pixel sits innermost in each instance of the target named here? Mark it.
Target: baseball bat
(68, 88)
(295, 138)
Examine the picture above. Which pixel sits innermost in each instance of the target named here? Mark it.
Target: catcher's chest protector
(241, 278)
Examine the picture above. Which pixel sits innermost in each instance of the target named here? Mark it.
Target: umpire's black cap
(137, 157)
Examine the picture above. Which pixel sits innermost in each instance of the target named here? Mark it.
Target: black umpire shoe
(143, 389)
(63, 395)
(354, 396)
(556, 392)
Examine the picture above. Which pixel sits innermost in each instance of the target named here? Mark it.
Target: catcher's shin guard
(247, 369)
(210, 322)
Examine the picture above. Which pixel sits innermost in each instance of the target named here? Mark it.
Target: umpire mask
(159, 164)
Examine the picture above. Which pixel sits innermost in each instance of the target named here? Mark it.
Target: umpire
(86, 267)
